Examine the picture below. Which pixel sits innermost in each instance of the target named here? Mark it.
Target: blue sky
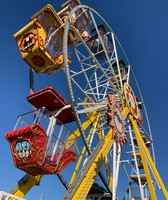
(141, 27)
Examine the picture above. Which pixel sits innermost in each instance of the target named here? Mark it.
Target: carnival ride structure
(103, 131)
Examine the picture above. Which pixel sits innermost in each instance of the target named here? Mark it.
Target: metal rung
(142, 178)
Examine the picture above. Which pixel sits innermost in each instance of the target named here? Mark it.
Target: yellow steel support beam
(26, 184)
(146, 155)
(125, 112)
(100, 135)
(82, 154)
(106, 161)
(72, 138)
(147, 172)
(83, 187)
(108, 172)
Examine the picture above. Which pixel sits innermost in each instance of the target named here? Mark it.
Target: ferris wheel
(104, 132)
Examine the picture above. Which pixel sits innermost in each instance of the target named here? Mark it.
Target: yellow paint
(27, 185)
(146, 157)
(85, 185)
